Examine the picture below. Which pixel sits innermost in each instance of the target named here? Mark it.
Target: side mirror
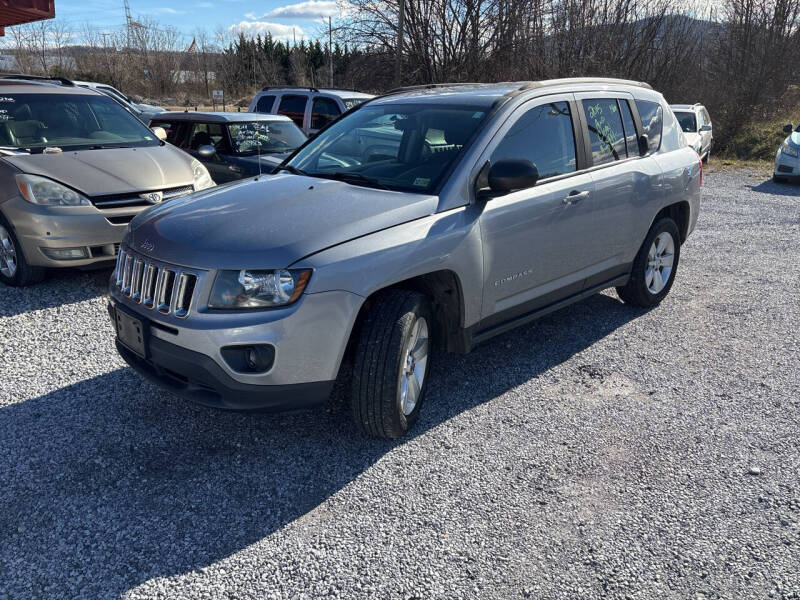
(206, 151)
(644, 144)
(508, 175)
(705, 127)
(159, 132)
(788, 128)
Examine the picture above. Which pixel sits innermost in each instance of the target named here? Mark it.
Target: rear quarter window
(652, 116)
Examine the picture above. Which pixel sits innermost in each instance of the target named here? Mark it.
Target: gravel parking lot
(602, 452)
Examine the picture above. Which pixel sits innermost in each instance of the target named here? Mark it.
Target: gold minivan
(75, 169)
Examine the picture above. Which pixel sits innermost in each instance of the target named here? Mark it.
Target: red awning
(16, 12)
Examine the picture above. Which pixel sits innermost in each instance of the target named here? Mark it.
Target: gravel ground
(601, 452)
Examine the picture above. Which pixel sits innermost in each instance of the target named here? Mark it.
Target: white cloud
(166, 10)
(279, 31)
(310, 9)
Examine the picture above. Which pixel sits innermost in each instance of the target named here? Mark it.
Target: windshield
(265, 137)
(353, 102)
(400, 147)
(687, 121)
(68, 121)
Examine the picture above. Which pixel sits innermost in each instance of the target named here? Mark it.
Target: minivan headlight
(258, 289)
(41, 190)
(202, 179)
(789, 150)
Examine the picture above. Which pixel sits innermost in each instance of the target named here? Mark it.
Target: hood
(151, 108)
(112, 170)
(268, 222)
(692, 138)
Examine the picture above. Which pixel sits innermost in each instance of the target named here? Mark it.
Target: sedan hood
(268, 222)
(268, 161)
(111, 170)
(692, 138)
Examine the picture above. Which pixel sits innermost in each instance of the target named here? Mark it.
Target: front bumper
(39, 227)
(787, 167)
(197, 378)
(185, 356)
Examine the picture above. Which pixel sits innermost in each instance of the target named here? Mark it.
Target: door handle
(576, 196)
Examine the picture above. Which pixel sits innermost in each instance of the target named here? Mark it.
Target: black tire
(375, 398)
(707, 157)
(25, 273)
(636, 291)
(778, 179)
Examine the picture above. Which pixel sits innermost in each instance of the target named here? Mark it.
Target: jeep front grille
(166, 288)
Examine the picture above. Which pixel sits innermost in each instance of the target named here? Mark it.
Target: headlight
(789, 150)
(202, 179)
(40, 190)
(258, 289)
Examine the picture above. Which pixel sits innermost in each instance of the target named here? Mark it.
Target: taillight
(700, 162)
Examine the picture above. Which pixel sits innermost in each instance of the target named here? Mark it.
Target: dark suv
(231, 145)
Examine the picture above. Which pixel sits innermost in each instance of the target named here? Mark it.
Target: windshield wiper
(354, 178)
(106, 147)
(291, 169)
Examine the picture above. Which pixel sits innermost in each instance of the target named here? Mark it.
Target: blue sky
(252, 16)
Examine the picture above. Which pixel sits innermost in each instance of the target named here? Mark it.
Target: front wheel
(654, 267)
(392, 363)
(14, 269)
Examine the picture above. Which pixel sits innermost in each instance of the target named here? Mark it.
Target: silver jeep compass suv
(430, 217)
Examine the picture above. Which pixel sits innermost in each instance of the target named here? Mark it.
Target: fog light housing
(66, 253)
(254, 358)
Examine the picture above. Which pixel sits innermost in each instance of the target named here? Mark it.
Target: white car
(148, 110)
(696, 125)
(787, 161)
(310, 108)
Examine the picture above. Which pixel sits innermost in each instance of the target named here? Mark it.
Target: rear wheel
(392, 363)
(14, 269)
(654, 267)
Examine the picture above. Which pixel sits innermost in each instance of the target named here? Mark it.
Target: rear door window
(606, 135)
(293, 107)
(544, 136)
(652, 122)
(208, 134)
(264, 104)
(323, 111)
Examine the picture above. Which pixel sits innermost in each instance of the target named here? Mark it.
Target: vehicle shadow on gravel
(62, 286)
(109, 482)
(777, 189)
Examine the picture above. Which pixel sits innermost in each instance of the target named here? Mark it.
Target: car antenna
(258, 150)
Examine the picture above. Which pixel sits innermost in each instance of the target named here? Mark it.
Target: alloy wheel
(8, 254)
(413, 366)
(660, 259)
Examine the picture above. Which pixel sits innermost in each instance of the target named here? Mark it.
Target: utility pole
(330, 51)
(398, 64)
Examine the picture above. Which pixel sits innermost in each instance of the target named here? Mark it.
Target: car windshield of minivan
(265, 137)
(70, 122)
(398, 147)
(687, 121)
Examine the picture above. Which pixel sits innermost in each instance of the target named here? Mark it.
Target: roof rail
(40, 78)
(289, 87)
(427, 86)
(308, 87)
(578, 80)
(698, 104)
